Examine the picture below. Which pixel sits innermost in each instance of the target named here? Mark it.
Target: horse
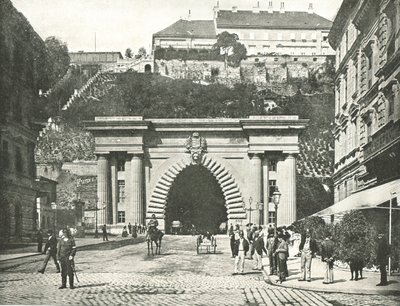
(156, 236)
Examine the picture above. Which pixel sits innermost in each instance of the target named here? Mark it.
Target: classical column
(137, 189)
(256, 188)
(102, 188)
(265, 173)
(114, 189)
(287, 185)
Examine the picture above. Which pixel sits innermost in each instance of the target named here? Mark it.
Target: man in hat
(327, 256)
(240, 251)
(382, 254)
(104, 230)
(281, 252)
(259, 247)
(50, 249)
(66, 251)
(308, 247)
(271, 249)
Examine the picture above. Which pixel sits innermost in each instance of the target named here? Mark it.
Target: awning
(364, 199)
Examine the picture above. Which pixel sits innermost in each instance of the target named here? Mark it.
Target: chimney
(282, 9)
(234, 9)
(270, 7)
(216, 10)
(189, 17)
(256, 9)
(310, 8)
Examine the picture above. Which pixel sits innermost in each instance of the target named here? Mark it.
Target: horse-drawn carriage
(207, 243)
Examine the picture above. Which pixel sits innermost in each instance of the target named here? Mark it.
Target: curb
(123, 242)
(267, 279)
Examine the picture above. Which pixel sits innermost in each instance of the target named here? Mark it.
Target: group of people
(133, 230)
(276, 247)
(62, 252)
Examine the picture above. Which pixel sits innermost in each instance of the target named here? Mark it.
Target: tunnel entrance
(196, 199)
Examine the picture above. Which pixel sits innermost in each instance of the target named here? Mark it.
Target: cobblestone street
(177, 277)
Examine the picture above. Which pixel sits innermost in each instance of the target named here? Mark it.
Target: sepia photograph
(213, 152)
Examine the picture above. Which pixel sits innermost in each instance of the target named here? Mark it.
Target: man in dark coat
(382, 254)
(328, 256)
(308, 247)
(240, 250)
(259, 248)
(271, 249)
(50, 249)
(129, 228)
(66, 251)
(281, 255)
(104, 230)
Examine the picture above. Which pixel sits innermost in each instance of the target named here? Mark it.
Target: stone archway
(147, 68)
(230, 189)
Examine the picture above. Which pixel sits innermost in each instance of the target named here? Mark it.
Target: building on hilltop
(187, 34)
(22, 74)
(365, 35)
(262, 32)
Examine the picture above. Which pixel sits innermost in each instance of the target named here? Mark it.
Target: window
(121, 217)
(369, 131)
(271, 217)
(121, 165)
(272, 165)
(121, 191)
(272, 189)
(5, 155)
(369, 72)
(314, 37)
(276, 59)
(18, 160)
(345, 90)
(355, 75)
(391, 104)
(314, 59)
(293, 37)
(295, 59)
(325, 38)
(303, 37)
(332, 218)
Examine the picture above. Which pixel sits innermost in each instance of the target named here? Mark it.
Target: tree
(57, 59)
(233, 51)
(128, 53)
(141, 52)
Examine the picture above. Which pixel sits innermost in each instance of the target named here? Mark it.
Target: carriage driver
(152, 225)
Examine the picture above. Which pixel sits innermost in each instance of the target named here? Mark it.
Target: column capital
(102, 156)
(135, 155)
(256, 154)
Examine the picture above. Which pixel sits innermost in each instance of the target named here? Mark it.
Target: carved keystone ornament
(196, 146)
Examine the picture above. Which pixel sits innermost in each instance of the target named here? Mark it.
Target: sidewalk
(30, 249)
(342, 283)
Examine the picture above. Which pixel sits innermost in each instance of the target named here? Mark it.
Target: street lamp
(276, 197)
(392, 195)
(258, 206)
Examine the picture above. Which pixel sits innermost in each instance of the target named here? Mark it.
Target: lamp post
(392, 195)
(276, 197)
(250, 209)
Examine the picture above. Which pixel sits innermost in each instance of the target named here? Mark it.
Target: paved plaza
(126, 275)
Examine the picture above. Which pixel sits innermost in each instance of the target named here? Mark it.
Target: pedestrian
(39, 239)
(382, 254)
(130, 228)
(250, 238)
(308, 247)
(281, 252)
(259, 248)
(124, 232)
(134, 231)
(327, 256)
(50, 249)
(104, 230)
(271, 249)
(233, 237)
(230, 232)
(139, 228)
(66, 250)
(240, 251)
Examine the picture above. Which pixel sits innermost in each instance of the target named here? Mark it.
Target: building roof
(339, 22)
(95, 57)
(189, 28)
(275, 20)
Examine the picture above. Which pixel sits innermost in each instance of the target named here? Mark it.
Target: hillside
(156, 96)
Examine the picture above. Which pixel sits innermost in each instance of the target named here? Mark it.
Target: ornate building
(365, 35)
(22, 73)
(139, 160)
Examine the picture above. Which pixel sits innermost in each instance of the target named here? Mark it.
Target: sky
(121, 24)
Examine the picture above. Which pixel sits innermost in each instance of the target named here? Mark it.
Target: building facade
(22, 73)
(139, 160)
(365, 35)
(262, 31)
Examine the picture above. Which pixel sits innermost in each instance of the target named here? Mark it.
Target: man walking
(327, 256)
(382, 254)
(50, 249)
(66, 251)
(308, 247)
(129, 228)
(104, 230)
(39, 238)
(259, 247)
(240, 251)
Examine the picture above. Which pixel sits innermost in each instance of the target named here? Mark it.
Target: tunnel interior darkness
(196, 198)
